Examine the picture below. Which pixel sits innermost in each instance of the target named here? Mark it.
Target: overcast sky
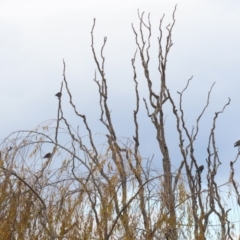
(37, 35)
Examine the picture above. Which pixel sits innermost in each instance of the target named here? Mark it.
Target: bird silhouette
(237, 143)
(200, 169)
(9, 149)
(59, 94)
(48, 155)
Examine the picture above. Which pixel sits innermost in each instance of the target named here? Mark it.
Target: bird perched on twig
(9, 149)
(200, 169)
(48, 155)
(59, 94)
(237, 143)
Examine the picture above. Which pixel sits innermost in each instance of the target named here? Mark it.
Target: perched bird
(48, 155)
(9, 149)
(237, 144)
(59, 94)
(200, 169)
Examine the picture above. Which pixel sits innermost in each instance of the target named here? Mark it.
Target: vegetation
(85, 191)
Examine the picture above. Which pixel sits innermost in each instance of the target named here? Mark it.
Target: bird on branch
(59, 94)
(48, 155)
(9, 149)
(237, 144)
(200, 169)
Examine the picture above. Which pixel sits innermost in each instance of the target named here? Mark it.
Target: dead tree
(77, 191)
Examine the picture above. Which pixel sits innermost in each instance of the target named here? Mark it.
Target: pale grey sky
(37, 35)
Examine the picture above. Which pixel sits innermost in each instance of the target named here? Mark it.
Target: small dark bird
(237, 144)
(200, 169)
(9, 149)
(59, 94)
(48, 155)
